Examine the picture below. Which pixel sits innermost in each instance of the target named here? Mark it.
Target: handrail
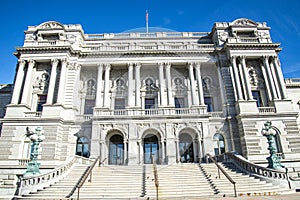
(83, 178)
(224, 172)
(256, 169)
(32, 183)
(155, 175)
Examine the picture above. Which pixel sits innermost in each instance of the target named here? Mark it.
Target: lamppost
(273, 159)
(36, 138)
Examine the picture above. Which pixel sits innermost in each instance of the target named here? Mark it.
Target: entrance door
(186, 149)
(150, 148)
(116, 150)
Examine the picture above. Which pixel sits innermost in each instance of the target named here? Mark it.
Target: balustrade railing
(280, 177)
(267, 109)
(33, 114)
(33, 183)
(292, 82)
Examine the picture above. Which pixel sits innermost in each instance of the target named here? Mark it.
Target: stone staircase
(180, 181)
(176, 181)
(245, 185)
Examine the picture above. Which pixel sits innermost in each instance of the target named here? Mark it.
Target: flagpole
(147, 21)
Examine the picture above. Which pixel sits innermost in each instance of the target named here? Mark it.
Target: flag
(147, 16)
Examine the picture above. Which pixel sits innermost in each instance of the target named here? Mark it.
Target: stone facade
(127, 96)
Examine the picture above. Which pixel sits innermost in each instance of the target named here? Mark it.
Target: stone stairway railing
(224, 172)
(27, 185)
(270, 175)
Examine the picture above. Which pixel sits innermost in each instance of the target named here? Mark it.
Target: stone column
(52, 81)
(271, 81)
(169, 85)
(26, 89)
(162, 151)
(246, 78)
(18, 82)
(106, 86)
(233, 82)
(130, 85)
(280, 77)
(125, 152)
(162, 84)
(195, 101)
(237, 78)
(243, 82)
(99, 102)
(276, 81)
(61, 89)
(263, 69)
(199, 82)
(138, 85)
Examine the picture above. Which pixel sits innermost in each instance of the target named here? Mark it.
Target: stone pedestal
(246, 107)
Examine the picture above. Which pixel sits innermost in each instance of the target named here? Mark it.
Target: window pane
(179, 102)
(209, 102)
(149, 103)
(119, 104)
(257, 97)
(88, 107)
(41, 100)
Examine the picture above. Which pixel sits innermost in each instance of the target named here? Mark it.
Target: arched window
(277, 143)
(82, 147)
(219, 144)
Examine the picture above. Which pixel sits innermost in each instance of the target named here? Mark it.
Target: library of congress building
(137, 97)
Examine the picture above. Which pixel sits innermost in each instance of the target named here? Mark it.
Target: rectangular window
(89, 105)
(149, 103)
(41, 101)
(179, 102)
(209, 102)
(257, 97)
(119, 104)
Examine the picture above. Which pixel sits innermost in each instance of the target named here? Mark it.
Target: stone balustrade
(270, 175)
(248, 40)
(34, 183)
(292, 82)
(33, 114)
(267, 109)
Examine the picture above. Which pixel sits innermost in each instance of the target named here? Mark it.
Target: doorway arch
(186, 148)
(151, 148)
(116, 150)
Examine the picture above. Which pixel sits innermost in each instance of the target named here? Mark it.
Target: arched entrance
(82, 147)
(219, 144)
(186, 148)
(116, 150)
(151, 147)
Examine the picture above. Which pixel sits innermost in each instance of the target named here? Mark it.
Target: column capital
(138, 64)
(233, 58)
(107, 66)
(160, 64)
(198, 65)
(130, 65)
(167, 64)
(22, 61)
(100, 65)
(31, 62)
(54, 61)
(64, 61)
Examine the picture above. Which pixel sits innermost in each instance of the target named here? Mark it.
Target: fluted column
(246, 78)
(233, 82)
(162, 84)
(18, 82)
(106, 86)
(243, 82)
(138, 85)
(276, 81)
(52, 81)
(280, 77)
(99, 102)
(193, 86)
(28, 83)
(163, 151)
(199, 82)
(169, 85)
(265, 76)
(125, 152)
(270, 78)
(61, 89)
(237, 79)
(130, 85)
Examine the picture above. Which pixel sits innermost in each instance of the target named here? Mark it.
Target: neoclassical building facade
(172, 95)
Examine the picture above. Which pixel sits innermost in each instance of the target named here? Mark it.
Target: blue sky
(103, 16)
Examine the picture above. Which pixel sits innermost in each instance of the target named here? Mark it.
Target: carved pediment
(51, 25)
(244, 22)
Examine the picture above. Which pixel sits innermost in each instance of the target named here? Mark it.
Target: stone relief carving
(42, 82)
(51, 25)
(244, 22)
